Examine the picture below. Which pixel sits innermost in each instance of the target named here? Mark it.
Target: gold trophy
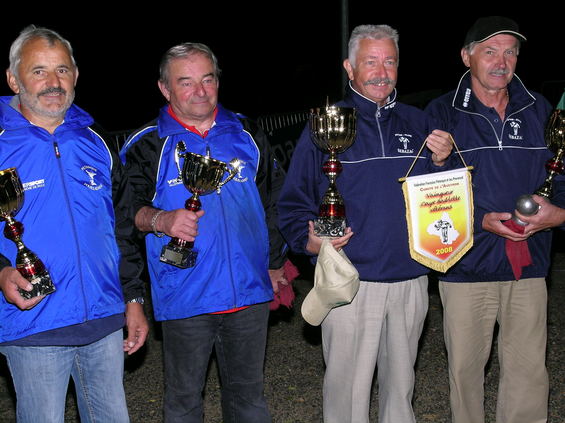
(200, 175)
(27, 263)
(555, 139)
(333, 130)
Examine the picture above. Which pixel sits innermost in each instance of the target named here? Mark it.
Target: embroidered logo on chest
(240, 177)
(92, 173)
(515, 129)
(404, 141)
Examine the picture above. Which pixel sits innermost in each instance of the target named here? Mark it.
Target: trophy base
(180, 257)
(329, 227)
(42, 285)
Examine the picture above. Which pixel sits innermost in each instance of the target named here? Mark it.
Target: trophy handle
(179, 150)
(235, 166)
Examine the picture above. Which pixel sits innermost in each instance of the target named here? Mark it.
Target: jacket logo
(515, 127)
(239, 177)
(404, 140)
(40, 183)
(174, 182)
(91, 173)
(467, 97)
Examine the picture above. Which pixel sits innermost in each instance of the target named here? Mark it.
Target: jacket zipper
(73, 226)
(377, 117)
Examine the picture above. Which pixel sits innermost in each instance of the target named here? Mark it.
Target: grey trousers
(381, 327)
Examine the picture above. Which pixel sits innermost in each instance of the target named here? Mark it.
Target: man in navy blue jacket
(383, 323)
(76, 220)
(499, 126)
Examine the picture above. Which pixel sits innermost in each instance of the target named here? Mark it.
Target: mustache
(500, 72)
(378, 81)
(52, 90)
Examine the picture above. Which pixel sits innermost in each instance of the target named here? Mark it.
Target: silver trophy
(200, 175)
(332, 129)
(555, 139)
(27, 262)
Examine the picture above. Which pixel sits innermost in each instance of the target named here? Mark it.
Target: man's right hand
(180, 223)
(315, 242)
(10, 281)
(492, 222)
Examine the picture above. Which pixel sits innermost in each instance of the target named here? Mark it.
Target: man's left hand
(548, 216)
(137, 327)
(440, 144)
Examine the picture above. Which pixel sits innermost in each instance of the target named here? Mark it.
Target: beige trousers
(470, 313)
(380, 327)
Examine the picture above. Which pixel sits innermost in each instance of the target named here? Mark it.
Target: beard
(33, 103)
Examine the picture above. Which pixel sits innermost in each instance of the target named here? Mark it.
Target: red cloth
(285, 296)
(517, 252)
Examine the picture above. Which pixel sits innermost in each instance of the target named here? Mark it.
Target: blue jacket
(68, 217)
(388, 140)
(233, 241)
(509, 160)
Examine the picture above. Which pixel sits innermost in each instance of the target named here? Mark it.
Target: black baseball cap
(489, 26)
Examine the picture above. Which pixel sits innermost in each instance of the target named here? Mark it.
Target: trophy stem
(179, 252)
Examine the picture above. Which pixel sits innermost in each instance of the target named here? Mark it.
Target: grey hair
(31, 33)
(471, 46)
(185, 50)
(374, 32)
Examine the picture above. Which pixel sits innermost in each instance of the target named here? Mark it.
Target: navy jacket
(509, 160)
(387, 141)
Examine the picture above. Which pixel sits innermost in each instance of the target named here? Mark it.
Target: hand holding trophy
(555, 138)
(200, 175)
(333, 130)
(27, 263)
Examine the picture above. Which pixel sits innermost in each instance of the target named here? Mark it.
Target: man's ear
(12, 82)
(164, 90)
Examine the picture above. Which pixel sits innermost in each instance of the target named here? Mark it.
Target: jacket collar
(11, 118)
(365, 106)
(168, 126)
(464, 100)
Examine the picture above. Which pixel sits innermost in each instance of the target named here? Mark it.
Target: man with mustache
(76, 220)
(382, 325)
(499, 126)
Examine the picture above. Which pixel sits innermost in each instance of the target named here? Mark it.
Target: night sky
(281, 57)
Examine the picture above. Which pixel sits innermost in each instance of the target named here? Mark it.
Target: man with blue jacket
(221, 302)
(499, 126)
(382, 325)
(75, 223)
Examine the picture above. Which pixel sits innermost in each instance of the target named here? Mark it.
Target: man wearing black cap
(499, 127)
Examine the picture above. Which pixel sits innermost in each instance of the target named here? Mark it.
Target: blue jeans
(239, 339)
(41, 378)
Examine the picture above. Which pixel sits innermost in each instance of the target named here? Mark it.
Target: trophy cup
(555, 139)
(27, 263)
(200, 175)
(333, 131)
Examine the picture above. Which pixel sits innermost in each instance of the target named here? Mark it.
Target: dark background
(275, 58)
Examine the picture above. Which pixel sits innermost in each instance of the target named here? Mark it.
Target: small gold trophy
(27, 263)
(200, 175)
(333, 130)
(555, 139)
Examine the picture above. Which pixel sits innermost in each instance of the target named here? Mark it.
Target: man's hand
(440, 144)
(137, 327)
(492, 222)
(180, 223)
(315, 242)
(277, 277)
(10, 281)
(548, 216)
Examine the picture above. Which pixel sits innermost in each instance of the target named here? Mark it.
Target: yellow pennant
(439, 213)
